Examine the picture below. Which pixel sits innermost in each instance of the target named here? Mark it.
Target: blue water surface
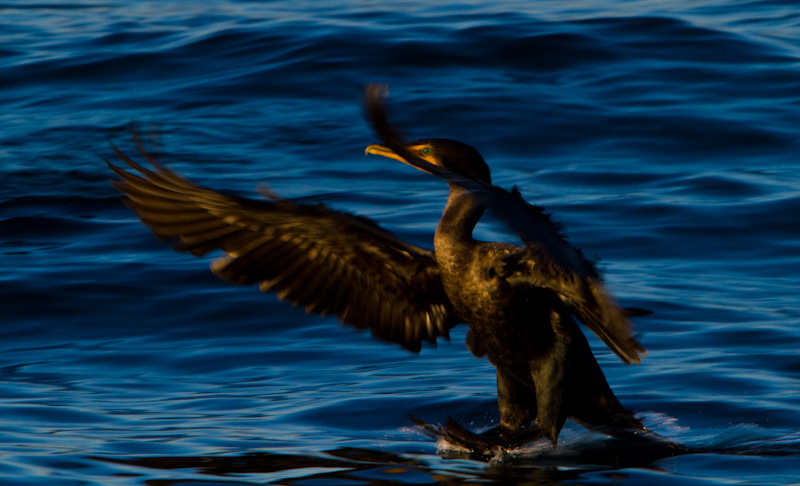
(663, 135)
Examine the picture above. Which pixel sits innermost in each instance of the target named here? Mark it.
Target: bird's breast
(511, 321)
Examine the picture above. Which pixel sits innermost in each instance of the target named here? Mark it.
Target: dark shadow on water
(584, 462)
(346, 466)
(365, 466)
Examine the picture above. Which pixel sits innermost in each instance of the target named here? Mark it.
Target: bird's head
(454, 156)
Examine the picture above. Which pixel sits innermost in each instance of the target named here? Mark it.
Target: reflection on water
(583, 461)
(363, 466)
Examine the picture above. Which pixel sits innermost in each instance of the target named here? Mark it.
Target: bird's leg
(550, 398)
(517, 404)
(550, 374)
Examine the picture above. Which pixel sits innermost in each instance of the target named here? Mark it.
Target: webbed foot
(489, 443)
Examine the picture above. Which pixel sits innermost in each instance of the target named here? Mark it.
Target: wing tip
(632, 352)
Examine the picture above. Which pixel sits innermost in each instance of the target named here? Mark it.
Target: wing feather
(326, 261)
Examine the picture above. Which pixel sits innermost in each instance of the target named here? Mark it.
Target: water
(664, 135)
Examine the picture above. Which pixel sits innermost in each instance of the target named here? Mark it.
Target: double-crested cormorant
(518, 301)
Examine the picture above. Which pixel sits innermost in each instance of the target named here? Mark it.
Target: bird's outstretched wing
(548, 260)
(326, 261)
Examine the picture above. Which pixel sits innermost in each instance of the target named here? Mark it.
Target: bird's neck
(454, 233)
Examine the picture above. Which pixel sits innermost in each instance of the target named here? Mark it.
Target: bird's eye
(426, 150)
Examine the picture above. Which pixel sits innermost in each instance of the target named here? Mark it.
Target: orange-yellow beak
(384, 151)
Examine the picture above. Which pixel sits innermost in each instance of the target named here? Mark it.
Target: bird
(518, 301)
